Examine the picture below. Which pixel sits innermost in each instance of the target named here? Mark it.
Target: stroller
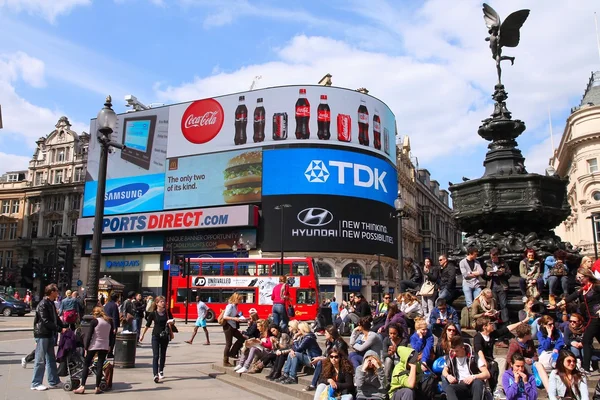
(75, 370)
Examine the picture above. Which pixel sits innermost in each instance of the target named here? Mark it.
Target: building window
(39, 178)
(13, 177)
(15, 206)
(73, 227)
(12, 231)
(2, 231)
(58, 176)
(58, 203)
(78, 176)
(592, 165)
(75, 201)
(596, 196)
(425, 222)
(35, 205)
(5, 206)
(1, 260)
(9, 255)
(60, 155)
(34, 229)
(53, 228)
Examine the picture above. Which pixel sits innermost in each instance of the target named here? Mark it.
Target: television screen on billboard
(307, 114)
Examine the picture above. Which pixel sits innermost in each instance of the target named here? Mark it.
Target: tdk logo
(361, 175)
(125, 194)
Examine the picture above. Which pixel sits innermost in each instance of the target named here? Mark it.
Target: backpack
(427, 387)
(70, 316)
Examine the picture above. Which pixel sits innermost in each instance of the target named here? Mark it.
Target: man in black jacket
(361, 307)
(46, 325)
(416, 275)
(447, 279)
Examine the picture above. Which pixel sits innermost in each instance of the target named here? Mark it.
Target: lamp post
(105, 123)
(241, 249)
(593, 218)
(399, 206)
(282, 207)
(380, 286)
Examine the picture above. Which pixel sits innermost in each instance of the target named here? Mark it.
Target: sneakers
(281, 379)
(239, 366)
(161, 375)
(242, 370)
(499, 394)
(39, 388)
(290, 381)
(309, 388)
(23, 363)
(155, 378)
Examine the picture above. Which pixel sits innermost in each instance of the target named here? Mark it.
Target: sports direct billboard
(282, 116)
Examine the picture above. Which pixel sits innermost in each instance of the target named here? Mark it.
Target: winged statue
(503, 34)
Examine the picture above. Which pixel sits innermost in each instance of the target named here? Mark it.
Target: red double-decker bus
(214, 280)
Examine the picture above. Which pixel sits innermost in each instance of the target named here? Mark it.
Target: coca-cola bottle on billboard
(363, 124)
(376, 130)
(241, 120)
(323, 119)
(302, 116)
(259, 121)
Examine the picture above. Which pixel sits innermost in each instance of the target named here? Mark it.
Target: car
(9, 306)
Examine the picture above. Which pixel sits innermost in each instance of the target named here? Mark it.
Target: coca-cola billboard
(285, 116)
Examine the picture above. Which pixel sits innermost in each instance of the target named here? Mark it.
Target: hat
(68, 293)
(253, 311)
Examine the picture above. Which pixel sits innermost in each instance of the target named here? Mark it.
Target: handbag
(427, 289)
(220, 319)
(290, 311)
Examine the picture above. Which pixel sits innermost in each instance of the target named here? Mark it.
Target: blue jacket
(450, 312)
(546, 343)
(424, 345)
(307, 344)
(548, 264)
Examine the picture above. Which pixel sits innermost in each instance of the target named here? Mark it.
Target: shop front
(138, 272)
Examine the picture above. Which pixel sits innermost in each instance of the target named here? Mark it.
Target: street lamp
(282, 207)
(399, 206)
(239, 247)
(380, 286)
(105, 123)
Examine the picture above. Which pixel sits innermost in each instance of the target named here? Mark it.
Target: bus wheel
(210, 316)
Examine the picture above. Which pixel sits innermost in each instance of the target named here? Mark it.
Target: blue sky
(427, 60)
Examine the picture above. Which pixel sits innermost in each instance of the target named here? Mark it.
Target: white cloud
(48, 9)
(11, 162)
(432, 66)
(30, 69)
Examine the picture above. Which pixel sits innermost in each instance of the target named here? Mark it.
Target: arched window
(377, 273)
(325, 270)
(391, 274)
(352, 269)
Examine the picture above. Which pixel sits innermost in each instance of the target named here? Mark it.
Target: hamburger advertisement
(230, 177)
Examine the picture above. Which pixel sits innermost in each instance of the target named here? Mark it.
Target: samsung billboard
(210, 152)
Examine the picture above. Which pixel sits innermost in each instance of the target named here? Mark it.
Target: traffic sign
(354, 283)
(174, 270)
(79, 282)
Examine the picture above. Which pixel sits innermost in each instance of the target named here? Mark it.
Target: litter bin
(125, 346)
(326, 315)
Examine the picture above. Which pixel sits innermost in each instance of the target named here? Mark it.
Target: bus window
(228, 269)
(248, 295)
(181, 295)
(264, 269)
(246, 268)
(276, 269)
(210, 296)
(195, 268)
(306, 296)
(300, 269)
(211, 268)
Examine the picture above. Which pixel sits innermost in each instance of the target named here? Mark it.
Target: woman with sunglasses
(574, 335)
(550, 341)
(332, 339)
(566, 381)
(162, 333)
(443, 346)
(589, 298)
(338, 374)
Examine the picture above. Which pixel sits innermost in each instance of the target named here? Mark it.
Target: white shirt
(202, 308)
(463, 371)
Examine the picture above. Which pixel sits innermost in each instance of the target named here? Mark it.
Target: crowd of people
(412, 345)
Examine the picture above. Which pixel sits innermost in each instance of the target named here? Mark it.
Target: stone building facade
(50, 196)
(578, 158)
(12, 203)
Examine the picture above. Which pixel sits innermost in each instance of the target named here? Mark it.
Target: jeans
(445, 293)
(408, 284)
(502, 303)
(427, 304)
(291, 365)
(553, 284)
(356, 359)
(523, 285)
(388, 366)
(321, 388)
(464, 391)
(578, 353)
(280, 316)
(317, 374)
(45, 359)
(159, 353)
(403, 394)
(470, 293)
(89, 360)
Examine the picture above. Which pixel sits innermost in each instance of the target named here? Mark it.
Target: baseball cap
(253, 311)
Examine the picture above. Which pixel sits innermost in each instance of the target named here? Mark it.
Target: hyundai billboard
(327, 171)
(329, 223)
(135, 176)
(297, 115)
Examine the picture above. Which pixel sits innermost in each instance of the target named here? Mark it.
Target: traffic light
(62, 256)
(180, 261)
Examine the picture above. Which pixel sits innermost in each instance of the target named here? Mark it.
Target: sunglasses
(570, 361)
(574, 321)
(386, 298)
(451, 330)
(335, 357)
(550, 324)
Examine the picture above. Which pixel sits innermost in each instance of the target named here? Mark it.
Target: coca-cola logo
(202, 121)
(324, 115)
(303, 111)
